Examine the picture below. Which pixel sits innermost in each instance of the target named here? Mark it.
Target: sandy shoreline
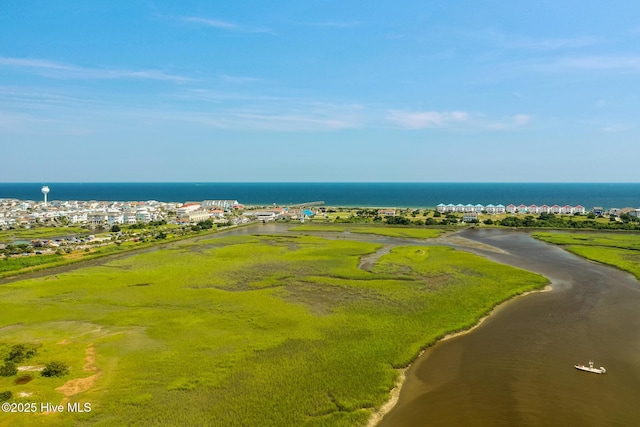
(378, 415)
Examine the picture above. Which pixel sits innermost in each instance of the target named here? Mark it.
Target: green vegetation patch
(21, 262)
(618, 250)
(8, 236)
(250, 330)
(407, 232)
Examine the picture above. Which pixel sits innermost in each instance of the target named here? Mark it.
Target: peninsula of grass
(247, 330)
(389, 231)
(621, 250)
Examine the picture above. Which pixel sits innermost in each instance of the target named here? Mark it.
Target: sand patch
(30, 368)
(79, 385)
(377, 416)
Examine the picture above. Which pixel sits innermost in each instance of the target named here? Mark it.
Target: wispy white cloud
(514, 41)
(619, 127)
(32, 110)
(335, 24)
(571, 63)
(521, 119)
(224, 25)
(509, 123)
(39, 124)
(60, 70)
(549, 44)
(454, 120)
(426, 119)
(24, 98)
(602, 62)
(238, 79)
(210, 22)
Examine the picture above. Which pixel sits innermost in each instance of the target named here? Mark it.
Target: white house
(143, 215)
(196, 216)
(97, 219)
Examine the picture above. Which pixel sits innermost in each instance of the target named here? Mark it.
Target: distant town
(102, 223)
(104, 214)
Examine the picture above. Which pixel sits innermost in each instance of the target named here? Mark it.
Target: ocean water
(607, 195)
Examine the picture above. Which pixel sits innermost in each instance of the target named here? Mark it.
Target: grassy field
(8, 236)
(391, 231)
(19, 263)
(251, 330)
(621, 250)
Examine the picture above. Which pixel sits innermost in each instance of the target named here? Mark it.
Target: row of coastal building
(14, 212)
(511, 208)
(534, 209)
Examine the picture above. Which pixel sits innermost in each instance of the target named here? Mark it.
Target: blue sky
(455, 91)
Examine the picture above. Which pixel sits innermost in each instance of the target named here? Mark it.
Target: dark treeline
(626, 222)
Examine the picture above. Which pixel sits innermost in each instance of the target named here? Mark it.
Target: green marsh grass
(18, 263)
(621, 250)
(390, 231)
(252, 330)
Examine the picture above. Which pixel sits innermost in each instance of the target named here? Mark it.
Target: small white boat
(590, 368)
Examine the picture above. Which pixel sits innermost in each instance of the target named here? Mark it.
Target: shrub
(5, 395)
(20, 352)
(55, 369)
(9, 369)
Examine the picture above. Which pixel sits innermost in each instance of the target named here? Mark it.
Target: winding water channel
(516, 369)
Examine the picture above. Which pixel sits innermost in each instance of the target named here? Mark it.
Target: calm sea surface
(342, 194)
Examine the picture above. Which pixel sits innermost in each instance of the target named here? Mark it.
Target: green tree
(55, 369)
(9, 369)
(20, 352)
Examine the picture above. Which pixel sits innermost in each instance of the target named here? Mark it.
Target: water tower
(45, 190)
